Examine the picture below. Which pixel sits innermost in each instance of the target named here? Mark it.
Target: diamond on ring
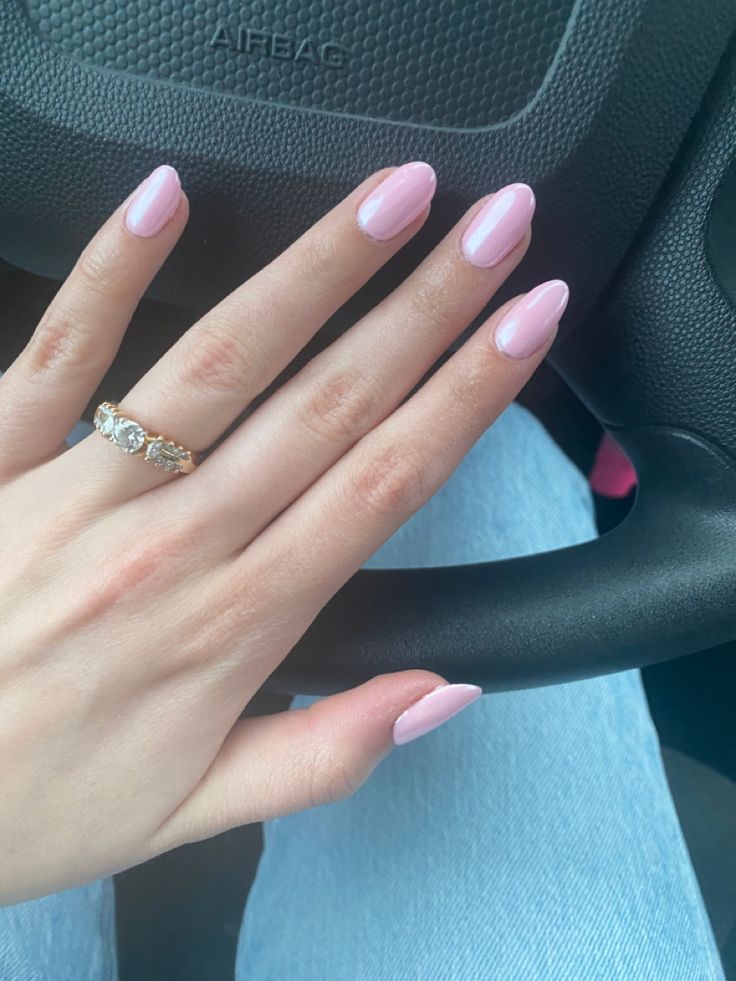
(131, 437)
(105, 419)
(164, 454)
(128, 434)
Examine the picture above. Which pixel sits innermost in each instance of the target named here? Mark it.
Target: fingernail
(500, 225)
(154, 203)
(432, 710)
(533, 320)
(397, 201)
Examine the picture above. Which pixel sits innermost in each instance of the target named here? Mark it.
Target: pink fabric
(613, 474)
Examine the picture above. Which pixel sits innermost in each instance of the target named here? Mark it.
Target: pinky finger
(47, 387)
(278, 764)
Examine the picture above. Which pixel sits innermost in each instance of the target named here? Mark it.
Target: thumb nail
(432, 710)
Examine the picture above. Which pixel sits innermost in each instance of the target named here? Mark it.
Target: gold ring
(132, 438)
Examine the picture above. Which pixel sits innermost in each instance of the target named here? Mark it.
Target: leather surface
(435, 62)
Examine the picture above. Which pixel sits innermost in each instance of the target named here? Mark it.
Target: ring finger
(46, 389)
(224, 361)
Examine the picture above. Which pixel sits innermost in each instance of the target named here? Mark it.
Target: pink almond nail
(432, 710)
(499, 226)
(533, 320)
(154, 203)
(397, 201)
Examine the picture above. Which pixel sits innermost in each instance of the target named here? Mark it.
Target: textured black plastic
(596, 141)
(662, 352)
(436, 62)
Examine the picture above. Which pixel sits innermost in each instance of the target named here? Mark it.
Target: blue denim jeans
(533, 837)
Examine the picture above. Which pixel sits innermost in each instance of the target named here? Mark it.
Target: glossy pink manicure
(532, 321)
(431, 711)
(154, 203)
(499, 225)
(397, 201)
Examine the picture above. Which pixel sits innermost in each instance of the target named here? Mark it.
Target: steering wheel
(621, 114)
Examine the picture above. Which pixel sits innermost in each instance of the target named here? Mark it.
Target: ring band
(132, 438)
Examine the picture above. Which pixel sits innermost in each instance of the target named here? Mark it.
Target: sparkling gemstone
(104, 420)
(166, 455)
(128, 435)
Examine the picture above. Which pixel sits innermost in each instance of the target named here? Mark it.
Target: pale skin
(140, 611)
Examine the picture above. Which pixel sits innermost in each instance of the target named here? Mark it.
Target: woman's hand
(141, 610)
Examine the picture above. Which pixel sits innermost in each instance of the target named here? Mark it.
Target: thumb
(276, 764)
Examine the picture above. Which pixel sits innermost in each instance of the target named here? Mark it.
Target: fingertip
(397, 201)
(435, 708)
(369, 711)
(181, 215)
(498, 227)
(154, 203)
(531, 325)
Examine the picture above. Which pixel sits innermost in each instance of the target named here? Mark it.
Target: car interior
(622, 116)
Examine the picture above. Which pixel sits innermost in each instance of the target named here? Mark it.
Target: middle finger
(347, 390)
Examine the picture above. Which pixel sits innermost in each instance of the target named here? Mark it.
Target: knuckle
(141, 564)
(240, 611)
(61, 342)
(333, 784)
(468, 385)
(102, 270)
(340, 409)
(320, 252)
(330, 778)
(392, 481)
(218, 359)
(322, 262)
(433, 302)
